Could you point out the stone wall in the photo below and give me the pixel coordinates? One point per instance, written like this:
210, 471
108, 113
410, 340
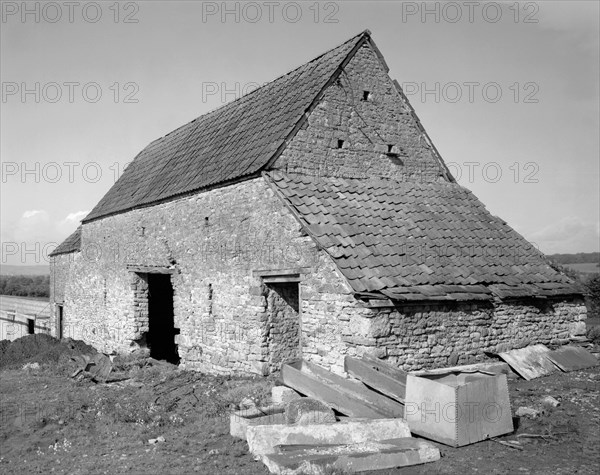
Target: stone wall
432, 336
365, 111
211, 242
60, 269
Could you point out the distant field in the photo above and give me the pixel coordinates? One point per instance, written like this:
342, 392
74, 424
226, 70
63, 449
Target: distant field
587, 267
6, 269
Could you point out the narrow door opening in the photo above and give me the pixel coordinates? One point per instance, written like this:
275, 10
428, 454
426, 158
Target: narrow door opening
283, 323
162, 331
59, 321
30, 326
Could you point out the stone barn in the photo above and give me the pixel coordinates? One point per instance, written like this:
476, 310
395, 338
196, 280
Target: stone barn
313, 218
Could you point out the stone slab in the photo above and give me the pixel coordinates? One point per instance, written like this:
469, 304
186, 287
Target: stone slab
351, 458
530, 362
263, 439
370, 375
240, 420
572, 358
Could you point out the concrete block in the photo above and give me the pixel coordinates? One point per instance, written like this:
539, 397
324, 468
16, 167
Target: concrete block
283, 395
262, 439
352, 458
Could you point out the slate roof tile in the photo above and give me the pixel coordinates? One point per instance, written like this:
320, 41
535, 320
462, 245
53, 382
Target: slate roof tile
236, 140
71, 244
418, 241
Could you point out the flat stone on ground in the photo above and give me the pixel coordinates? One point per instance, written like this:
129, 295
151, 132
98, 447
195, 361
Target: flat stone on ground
351, 458
263, 439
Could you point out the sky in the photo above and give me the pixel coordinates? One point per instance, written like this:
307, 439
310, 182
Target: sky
508, 93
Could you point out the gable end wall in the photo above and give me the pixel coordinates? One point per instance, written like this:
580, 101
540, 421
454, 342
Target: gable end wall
367, 127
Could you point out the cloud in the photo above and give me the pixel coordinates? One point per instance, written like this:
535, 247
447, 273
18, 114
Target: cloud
35, 234
569, 234
75, 217
67, 225
578, 21
32, 213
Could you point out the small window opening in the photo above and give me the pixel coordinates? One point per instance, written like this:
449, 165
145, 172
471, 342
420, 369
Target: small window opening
366, 95
206, 221
340, 143
390, 148
30, 326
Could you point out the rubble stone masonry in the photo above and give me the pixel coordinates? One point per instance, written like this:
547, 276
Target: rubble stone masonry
213, 242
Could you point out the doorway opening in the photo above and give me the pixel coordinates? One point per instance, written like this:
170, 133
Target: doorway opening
161, 324
59, 321
30, 326
283, 323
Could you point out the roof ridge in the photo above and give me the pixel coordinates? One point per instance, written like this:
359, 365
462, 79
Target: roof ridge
366, 33
301, 88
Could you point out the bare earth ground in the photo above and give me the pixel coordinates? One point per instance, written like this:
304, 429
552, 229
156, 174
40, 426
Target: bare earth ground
51, 423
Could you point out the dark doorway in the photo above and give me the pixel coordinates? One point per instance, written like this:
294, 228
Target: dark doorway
30, 326
162, 331
59, 321
283, 310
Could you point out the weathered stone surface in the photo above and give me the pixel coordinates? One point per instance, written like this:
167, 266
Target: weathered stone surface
307, 410
240, 420
283, 395
352, 458
264, 438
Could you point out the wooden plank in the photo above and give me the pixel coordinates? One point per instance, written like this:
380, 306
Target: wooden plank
530, 362
572, 358
335, 397
281, 272
383, 383
358, 390
386, 369
281, 279
458, 411
484, 410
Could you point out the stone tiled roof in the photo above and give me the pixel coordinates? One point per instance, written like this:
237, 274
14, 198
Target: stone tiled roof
234, 141
71, 244
412, 241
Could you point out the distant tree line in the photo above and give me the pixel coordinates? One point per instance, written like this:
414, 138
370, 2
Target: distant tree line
25, 285
579, 258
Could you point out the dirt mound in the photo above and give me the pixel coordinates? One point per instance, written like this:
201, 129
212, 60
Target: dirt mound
39, 348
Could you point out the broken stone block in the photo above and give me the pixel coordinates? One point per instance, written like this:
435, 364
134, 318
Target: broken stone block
550, 401
527, 412
307, 410
246, 403
262, 439
283, 395
351, 458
